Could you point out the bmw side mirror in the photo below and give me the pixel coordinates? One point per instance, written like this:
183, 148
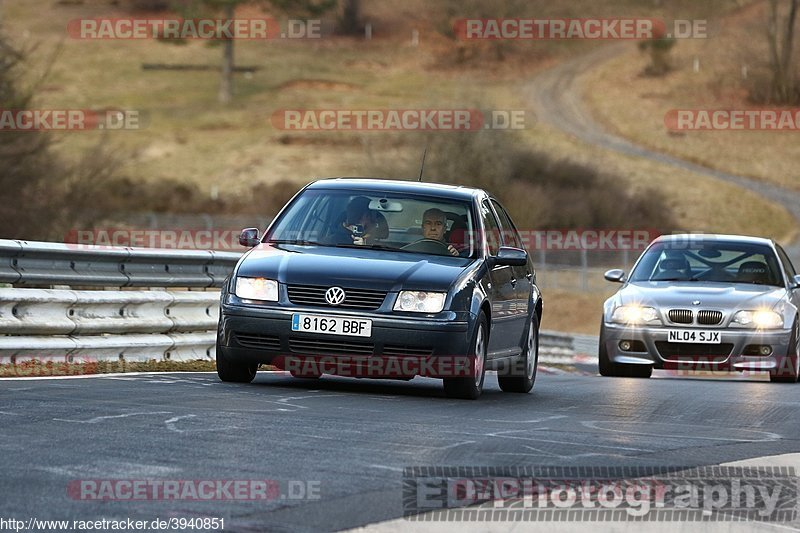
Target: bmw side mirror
508, 256
615, 275
249, 237
796, 280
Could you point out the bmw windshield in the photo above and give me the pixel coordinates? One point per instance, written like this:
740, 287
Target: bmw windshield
722, 262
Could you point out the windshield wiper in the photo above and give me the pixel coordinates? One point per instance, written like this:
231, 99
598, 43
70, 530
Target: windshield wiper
301, 242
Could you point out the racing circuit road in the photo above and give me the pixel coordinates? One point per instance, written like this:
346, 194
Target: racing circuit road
352, 438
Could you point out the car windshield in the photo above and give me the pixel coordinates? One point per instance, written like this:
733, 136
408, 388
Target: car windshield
377, 220
720, 262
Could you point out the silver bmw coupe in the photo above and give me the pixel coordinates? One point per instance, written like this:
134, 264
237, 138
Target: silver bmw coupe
704, 302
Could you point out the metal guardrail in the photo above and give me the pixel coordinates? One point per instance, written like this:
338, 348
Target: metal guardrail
37, 264
90, 325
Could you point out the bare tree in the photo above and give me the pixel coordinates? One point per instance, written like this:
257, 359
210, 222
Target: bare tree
227, 9
780, 34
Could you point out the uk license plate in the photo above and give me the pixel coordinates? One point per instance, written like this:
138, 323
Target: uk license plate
694, 336
332, 325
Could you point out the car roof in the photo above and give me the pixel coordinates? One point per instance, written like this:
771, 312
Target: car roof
398, 186
712, 237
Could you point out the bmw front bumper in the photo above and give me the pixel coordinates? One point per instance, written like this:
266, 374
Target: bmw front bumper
649, 346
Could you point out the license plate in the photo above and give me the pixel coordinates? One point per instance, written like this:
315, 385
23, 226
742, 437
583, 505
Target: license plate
694, 335
332, 325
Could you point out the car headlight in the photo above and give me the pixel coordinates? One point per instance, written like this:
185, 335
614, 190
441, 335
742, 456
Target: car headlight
257, 289
634, 314
420, 301
761, 319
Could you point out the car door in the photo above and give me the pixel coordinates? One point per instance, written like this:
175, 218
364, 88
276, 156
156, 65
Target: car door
788, 267
501, 291
521, 275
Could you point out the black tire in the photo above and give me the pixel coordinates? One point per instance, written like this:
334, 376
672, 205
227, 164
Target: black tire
470, 388
792, 373
608, 368
231, 372
522, 374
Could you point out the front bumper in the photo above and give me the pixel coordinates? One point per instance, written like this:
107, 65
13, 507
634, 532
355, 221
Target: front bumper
264, 335
729, 355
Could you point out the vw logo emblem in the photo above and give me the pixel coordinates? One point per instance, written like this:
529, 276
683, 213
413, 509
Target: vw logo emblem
696, 302
335, 295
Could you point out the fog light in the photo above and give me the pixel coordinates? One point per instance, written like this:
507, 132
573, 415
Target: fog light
625, 346
765, 350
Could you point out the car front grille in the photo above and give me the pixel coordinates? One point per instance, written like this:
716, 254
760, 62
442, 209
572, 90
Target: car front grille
400, 351
354, 298
690, 351
709, 318
681, 316
259, 342
326, 347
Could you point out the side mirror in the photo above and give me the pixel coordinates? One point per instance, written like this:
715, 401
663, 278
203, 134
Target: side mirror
796, 280
508, 256
616, 275
249, 237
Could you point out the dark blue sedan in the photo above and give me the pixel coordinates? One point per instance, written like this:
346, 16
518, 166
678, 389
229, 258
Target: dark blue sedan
385, 279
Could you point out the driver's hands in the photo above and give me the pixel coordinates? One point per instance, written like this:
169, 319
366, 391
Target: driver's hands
452, 249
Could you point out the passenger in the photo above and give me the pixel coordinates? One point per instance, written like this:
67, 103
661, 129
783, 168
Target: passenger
358, 216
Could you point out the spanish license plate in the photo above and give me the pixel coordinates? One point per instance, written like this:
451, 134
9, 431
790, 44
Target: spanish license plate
332, 325
694, 335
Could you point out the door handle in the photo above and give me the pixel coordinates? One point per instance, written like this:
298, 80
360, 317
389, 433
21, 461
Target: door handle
513, 282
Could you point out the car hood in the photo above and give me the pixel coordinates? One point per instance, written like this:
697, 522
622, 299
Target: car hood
351, 267
710, 295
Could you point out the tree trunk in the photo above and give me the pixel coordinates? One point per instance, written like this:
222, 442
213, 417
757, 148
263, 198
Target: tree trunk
351, 17
781, 44
226, 84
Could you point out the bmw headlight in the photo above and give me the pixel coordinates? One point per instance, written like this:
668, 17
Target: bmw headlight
634, 314
420, 301
761, 319
257, 289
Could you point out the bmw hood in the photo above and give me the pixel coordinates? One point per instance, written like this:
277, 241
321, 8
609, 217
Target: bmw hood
699, 295
352, 267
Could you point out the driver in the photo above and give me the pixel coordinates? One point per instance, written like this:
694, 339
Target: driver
434, 224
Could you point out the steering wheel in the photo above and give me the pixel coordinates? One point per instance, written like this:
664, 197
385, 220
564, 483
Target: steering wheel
428, 246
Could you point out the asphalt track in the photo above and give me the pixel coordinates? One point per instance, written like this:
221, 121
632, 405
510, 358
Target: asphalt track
350, 439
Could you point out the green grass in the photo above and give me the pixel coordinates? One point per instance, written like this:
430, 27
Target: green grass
190, 137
